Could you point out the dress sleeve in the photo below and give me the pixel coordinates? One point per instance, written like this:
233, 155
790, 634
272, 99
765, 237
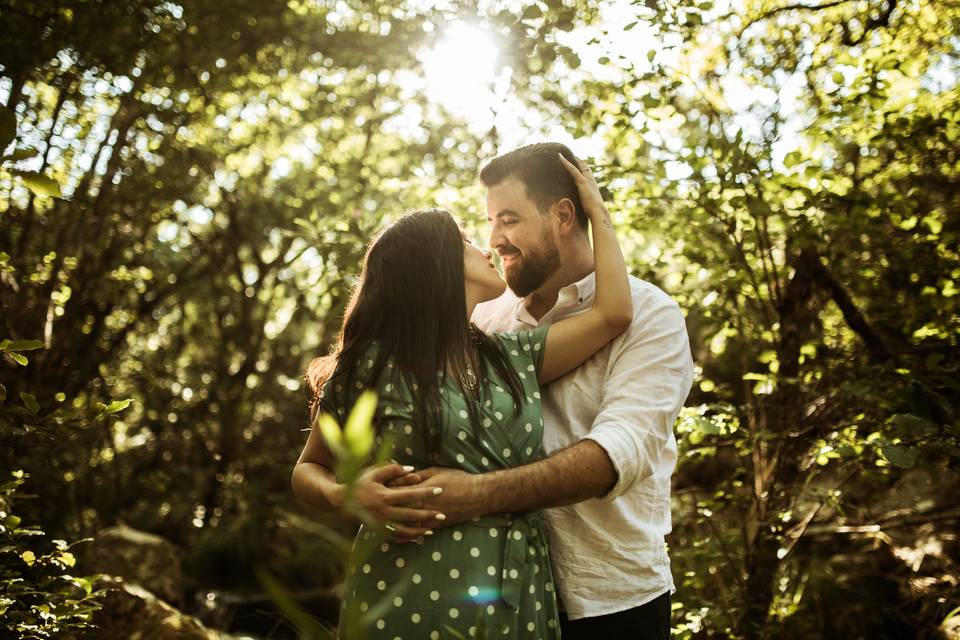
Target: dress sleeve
331, 400
525, 348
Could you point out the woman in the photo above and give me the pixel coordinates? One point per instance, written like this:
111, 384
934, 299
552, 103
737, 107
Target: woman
450, 396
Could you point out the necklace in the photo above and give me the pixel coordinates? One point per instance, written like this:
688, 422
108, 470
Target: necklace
468, 379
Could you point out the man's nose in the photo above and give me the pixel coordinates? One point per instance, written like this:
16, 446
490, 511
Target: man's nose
495, 241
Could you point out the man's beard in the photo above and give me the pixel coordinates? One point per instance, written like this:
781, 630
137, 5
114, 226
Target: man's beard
533, 269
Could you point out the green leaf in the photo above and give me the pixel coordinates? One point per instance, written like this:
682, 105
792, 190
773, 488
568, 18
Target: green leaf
531, 12
23, 345
331, 433
21, 360
24, 153
307, 626
30, 401
899, 455
358, 432
8, 127
305, 225
117, 405
934, 224
39, 184
630, 26
85, 583
759, 207
912, 66
911, 426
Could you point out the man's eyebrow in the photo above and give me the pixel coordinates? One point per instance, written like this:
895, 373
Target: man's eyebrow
504, 213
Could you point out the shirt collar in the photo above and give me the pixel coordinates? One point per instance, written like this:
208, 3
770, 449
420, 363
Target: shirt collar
580, 291
570, 296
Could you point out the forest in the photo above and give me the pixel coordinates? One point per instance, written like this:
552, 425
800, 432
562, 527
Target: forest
186, 194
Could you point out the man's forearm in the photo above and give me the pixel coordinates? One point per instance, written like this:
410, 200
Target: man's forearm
579, 472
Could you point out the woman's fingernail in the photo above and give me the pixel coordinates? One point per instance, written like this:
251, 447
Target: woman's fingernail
408, 468
437, 491
441, 516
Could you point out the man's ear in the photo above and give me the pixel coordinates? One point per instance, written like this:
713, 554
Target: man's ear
566, 216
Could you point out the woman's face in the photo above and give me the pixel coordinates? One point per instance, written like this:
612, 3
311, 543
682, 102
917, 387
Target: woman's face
481, 278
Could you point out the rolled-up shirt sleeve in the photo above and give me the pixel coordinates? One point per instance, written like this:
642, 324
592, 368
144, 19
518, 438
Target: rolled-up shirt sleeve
649, 376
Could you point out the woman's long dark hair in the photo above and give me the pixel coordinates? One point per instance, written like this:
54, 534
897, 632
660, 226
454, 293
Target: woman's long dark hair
409, 309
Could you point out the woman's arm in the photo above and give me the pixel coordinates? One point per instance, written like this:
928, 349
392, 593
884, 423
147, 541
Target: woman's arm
572, 340
314, 483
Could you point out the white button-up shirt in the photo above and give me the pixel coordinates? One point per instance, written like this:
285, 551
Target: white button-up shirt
609, 554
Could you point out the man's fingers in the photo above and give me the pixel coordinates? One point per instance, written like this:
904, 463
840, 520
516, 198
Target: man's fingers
406, 480
414, 494
429, 472
404, 514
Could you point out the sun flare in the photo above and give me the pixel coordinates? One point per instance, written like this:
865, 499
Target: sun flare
461, 72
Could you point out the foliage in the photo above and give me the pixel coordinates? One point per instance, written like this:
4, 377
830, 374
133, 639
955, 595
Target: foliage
787, 171
356, 446
807, 232
38, 183
39, 598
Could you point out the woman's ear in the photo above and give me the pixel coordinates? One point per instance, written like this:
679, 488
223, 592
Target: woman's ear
566, 216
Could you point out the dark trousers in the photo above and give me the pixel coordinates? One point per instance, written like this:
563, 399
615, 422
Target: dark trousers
649, 621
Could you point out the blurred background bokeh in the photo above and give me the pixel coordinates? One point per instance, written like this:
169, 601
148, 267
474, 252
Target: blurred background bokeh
186, 190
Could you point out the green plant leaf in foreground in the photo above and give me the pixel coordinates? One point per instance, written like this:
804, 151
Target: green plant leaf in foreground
358, 433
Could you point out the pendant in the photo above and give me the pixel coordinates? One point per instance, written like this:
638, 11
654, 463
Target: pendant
468, 379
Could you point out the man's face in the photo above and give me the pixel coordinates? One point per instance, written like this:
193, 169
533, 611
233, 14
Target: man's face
522, 236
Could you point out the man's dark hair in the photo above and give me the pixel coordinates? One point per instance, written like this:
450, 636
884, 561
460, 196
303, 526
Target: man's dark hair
540, 170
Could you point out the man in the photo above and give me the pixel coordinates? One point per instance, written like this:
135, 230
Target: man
608, 426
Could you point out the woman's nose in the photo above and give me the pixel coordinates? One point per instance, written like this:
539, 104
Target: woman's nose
487, 253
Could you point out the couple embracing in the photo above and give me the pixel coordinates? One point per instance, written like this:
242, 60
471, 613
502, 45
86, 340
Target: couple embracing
533, 427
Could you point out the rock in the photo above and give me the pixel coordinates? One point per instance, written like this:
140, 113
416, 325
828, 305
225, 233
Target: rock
130, 612
140, 558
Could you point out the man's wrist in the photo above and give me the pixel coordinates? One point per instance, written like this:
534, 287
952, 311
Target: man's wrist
490, 493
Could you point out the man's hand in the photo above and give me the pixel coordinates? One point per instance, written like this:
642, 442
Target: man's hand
463, 495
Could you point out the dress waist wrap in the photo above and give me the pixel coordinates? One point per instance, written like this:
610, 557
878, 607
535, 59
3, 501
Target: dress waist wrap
520, 531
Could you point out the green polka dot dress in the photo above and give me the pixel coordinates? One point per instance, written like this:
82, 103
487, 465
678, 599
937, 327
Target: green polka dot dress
488, 576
